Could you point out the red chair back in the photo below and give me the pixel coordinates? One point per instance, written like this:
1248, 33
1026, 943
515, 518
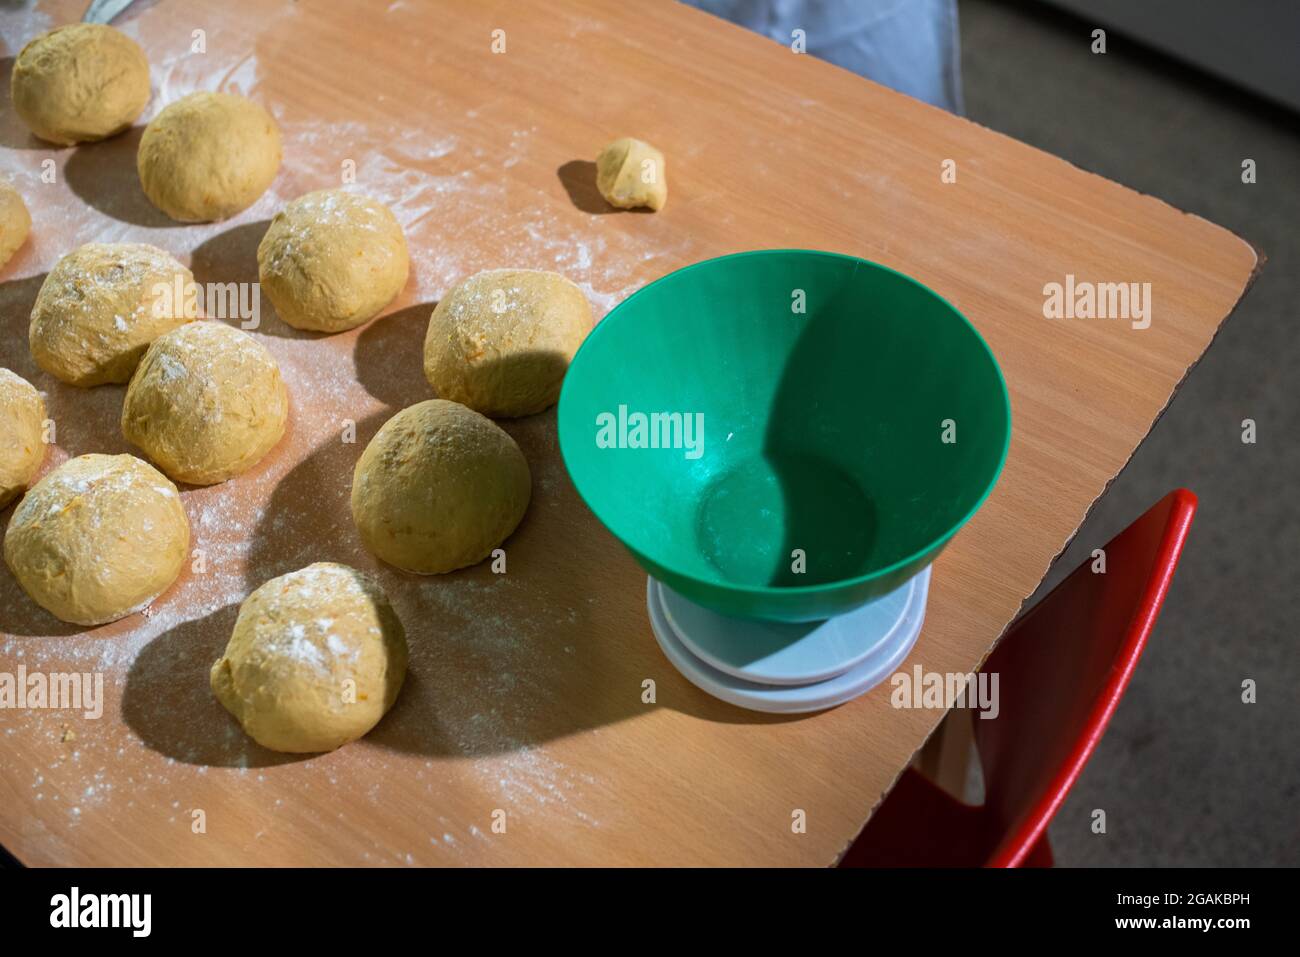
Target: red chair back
1063, 667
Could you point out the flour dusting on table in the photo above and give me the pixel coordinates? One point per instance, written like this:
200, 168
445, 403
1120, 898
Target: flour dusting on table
489, 654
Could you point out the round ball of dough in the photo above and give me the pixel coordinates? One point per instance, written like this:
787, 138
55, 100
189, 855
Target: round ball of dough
438, 488
98, 538
501, 341
22, 438
208, 156
80, 83
101, 306
331, 260
206, 403
630, 173
15, 222
316, 659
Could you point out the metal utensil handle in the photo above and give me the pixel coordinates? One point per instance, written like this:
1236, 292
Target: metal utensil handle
103, 11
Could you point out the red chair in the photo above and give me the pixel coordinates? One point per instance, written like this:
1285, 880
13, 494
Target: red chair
1063, 666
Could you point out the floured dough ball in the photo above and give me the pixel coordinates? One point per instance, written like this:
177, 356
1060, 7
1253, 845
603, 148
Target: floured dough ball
98, 538
15, 222
332, 260
438, 488
22, 434
208, 156
206, 403
101, 306
501, 341
630, 173
80, 83
317, 657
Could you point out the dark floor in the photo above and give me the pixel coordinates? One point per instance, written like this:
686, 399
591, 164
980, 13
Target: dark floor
1187, 774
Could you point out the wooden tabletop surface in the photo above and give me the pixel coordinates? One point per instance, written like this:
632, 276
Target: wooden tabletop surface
525, 696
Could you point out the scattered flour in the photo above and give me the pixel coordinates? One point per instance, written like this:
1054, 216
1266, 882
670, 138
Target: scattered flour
486, 674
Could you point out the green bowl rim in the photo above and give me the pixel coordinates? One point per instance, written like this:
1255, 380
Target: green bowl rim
767, 591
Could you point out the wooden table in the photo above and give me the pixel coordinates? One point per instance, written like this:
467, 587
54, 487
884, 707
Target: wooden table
526, 690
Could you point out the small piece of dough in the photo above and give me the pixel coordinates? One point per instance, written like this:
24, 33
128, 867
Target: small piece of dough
630, 173
501, 341
98, 538
22, 434
208, 156
332, 260
80, 83
206, 404
15, 222
101, 306
438, 488
316, 658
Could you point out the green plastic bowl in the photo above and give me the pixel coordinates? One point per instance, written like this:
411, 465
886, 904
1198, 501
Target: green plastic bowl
853, 421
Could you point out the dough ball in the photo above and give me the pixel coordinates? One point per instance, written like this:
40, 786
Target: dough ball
15, 222
438, 487
98, 538
101, 306
316, 659
630, 173
206, 403
22, 438
332, 260
80, 83
208, 156
501, 341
